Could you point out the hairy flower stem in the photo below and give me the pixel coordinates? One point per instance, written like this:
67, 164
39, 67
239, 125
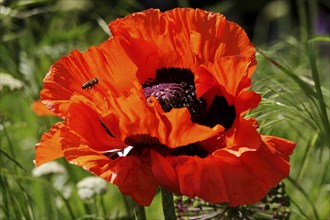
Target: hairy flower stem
168, 205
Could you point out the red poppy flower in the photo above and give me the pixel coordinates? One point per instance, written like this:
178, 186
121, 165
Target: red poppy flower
160, 103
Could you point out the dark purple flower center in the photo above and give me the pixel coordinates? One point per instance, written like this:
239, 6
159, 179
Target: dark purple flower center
175, 88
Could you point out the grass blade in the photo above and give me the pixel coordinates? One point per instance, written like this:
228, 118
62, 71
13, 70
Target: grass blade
317, 83
306, 88
316, 215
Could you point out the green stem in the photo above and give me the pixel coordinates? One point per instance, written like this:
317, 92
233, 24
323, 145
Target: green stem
140, 213
302, 16
168, 205
104, 210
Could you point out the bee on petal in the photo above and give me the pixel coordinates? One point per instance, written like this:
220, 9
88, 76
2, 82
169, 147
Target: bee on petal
90, 84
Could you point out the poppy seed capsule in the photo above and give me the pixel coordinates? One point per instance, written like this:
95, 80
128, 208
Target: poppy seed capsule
89, 85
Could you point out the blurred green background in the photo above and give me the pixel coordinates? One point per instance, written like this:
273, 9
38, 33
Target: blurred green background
293, 76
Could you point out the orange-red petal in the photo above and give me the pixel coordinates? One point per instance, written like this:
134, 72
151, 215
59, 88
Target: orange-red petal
243, 133
173, 129
134, 177
246, 101
109, 63
238, 178
246, 135
164, 173
131, 174
84, 121
240, 173
40, 109
49, 147
231, 74
281, 146
188, 38
268, 166
185, 35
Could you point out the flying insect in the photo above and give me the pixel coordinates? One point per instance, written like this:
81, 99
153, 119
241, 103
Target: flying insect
90, 84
